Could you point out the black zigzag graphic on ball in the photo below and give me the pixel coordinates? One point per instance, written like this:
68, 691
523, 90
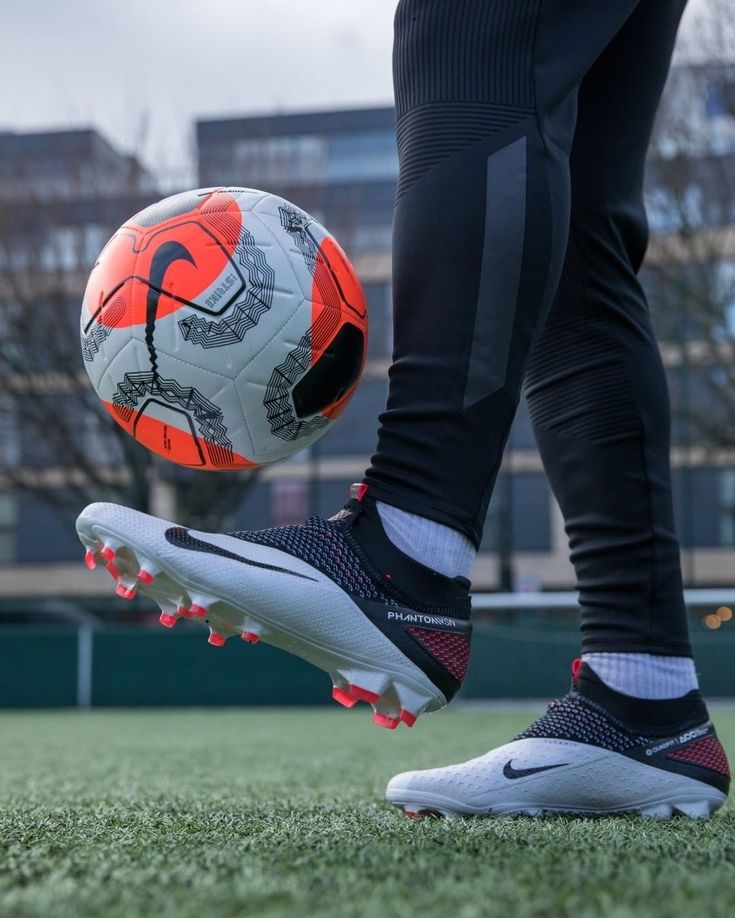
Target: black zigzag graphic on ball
278, 400
92, 342
278, 404
243, 315
209, 419
296, 223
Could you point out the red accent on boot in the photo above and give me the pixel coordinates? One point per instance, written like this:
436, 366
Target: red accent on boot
358, 490
361, 694
342, 697
125, 592
707, 753
451, 650
382, 720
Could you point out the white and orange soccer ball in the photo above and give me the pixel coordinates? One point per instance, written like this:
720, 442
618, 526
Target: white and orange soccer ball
224, 328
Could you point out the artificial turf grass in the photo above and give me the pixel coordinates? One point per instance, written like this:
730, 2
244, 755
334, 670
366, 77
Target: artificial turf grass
279, 812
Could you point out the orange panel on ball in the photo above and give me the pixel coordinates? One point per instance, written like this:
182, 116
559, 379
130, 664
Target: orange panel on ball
181, 259
337, 298
176, 445
349, 285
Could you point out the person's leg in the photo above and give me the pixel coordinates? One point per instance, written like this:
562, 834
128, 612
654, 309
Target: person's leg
486, 98
486, 108
596, 387
633, 732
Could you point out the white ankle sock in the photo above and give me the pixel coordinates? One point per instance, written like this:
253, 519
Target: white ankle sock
644, 675
434, 545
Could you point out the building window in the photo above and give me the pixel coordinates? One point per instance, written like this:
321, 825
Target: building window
519, 515
9, 436
289, 502
720, 99
727, 507
363, 156
368, 238
101, 447
7, 528
380, 319
355, 433
289, 160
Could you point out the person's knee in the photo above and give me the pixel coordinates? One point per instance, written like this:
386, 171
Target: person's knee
608, 217
578, 383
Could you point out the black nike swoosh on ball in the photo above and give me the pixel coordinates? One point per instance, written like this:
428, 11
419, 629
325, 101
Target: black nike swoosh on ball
512, 773
182, 538
164, 256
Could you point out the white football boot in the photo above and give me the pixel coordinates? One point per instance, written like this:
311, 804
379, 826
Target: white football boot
335, 592
594, 752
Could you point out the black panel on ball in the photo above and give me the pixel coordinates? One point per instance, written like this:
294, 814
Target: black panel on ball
334, 373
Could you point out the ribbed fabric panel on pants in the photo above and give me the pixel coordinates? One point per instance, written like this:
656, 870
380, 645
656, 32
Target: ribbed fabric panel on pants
429, 134
464, 50
462, 71
522, 124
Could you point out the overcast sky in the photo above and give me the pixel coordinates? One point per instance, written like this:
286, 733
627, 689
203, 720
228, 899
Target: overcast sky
147, 68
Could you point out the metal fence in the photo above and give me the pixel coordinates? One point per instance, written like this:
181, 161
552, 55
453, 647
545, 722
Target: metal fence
522, 648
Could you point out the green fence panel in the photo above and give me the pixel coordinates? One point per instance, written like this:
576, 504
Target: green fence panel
534, 662
141, 667
510, 662
714, 656
135, 666
38, 667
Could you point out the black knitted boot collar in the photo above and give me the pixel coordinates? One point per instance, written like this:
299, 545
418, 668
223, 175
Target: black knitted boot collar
361, 523
641, 715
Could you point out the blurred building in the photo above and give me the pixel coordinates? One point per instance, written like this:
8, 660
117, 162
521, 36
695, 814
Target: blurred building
67, 165
62, 194
341, 166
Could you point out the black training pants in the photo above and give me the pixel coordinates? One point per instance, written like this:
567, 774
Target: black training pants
522, 129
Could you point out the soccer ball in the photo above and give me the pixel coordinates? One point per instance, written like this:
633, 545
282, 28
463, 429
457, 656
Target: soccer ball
224, 328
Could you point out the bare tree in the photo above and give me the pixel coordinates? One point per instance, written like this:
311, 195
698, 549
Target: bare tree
56, 441
691, 196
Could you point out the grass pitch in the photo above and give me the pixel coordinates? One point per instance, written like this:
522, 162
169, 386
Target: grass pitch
280, 813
